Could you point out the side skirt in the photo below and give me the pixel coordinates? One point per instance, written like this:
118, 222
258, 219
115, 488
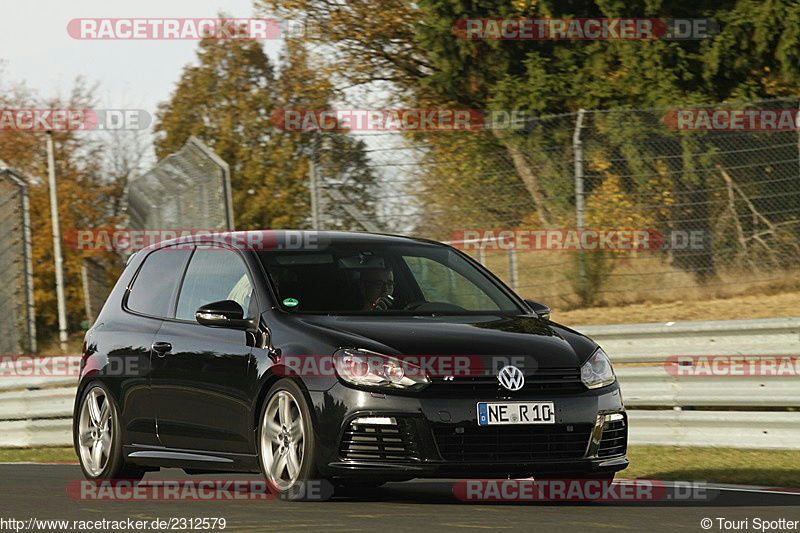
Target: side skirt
192, 461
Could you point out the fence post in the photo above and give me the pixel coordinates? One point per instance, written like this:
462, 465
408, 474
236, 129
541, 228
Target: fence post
577, 150
512, 269
87, 299
312, 184
59, 260
28, 252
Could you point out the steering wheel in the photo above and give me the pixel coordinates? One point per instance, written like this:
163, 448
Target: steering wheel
411, 306
432, 307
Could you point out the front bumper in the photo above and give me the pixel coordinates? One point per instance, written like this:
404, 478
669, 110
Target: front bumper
440, 437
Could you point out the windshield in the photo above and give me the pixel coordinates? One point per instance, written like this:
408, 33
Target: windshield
390, 279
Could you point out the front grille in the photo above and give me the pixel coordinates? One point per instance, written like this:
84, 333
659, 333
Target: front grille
379, 442
614, 440
475, 444
551, 380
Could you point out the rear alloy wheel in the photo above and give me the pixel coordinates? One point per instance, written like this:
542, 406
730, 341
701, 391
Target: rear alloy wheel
97, 437
286, 440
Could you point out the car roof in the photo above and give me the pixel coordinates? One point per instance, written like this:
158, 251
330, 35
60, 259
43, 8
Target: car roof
329, 237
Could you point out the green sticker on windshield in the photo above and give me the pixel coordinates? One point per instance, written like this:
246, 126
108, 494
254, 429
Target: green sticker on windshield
290, 302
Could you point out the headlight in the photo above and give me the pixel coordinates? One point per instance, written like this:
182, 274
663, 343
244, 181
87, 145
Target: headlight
364, 368
597, 371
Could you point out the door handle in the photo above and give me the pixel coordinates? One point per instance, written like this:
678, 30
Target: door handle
161, 348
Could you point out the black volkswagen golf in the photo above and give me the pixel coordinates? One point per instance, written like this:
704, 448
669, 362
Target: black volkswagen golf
353, 357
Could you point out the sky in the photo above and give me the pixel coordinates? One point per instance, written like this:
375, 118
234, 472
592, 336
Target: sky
35, 48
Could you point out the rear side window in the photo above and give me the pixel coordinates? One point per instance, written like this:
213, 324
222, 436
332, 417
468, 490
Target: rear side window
215, 275
156, 282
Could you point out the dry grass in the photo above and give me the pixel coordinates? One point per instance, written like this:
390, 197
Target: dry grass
733, 308
644, 288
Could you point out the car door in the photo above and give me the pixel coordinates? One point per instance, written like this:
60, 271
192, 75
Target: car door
200, 375
128, 339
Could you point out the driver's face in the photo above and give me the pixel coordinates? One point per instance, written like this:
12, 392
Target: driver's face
376, 284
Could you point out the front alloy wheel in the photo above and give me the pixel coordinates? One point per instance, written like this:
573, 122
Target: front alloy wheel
287, 445
283, 439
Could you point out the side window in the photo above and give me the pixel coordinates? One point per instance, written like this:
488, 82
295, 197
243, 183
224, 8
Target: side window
215, 275
156, 282
442, 284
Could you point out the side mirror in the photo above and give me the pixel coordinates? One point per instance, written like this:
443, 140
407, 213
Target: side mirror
541, 310
224, 314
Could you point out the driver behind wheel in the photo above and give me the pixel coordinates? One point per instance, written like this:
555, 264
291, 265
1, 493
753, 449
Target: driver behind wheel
377, 286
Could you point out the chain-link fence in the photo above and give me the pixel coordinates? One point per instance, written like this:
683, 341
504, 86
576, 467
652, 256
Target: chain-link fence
726, 204
189, 189
18, 327
96, 286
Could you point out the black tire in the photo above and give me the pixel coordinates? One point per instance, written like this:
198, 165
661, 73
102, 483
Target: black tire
115, 466
299, 489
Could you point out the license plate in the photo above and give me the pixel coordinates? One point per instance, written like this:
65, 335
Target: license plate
493, 413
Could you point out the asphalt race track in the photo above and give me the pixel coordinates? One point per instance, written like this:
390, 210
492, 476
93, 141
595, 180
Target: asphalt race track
39, 491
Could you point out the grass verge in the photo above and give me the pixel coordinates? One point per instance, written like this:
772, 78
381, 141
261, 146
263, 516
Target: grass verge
43, 455
773, 468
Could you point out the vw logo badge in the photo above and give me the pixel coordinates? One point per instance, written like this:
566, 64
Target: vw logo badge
511, 378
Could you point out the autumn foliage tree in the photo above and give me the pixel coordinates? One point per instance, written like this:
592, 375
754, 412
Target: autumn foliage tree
88, 197
227, 100
411, 47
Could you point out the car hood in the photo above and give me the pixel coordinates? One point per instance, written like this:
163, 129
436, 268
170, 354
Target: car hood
548, 344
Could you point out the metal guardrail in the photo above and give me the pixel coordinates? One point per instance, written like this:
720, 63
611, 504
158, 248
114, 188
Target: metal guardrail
663, 409
36, 416
644, 387
725, 429
37, 404
36, 382
652, 343
723, 411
